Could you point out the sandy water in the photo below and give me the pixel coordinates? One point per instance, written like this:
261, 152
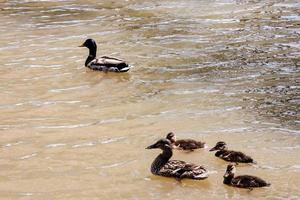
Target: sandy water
209, 70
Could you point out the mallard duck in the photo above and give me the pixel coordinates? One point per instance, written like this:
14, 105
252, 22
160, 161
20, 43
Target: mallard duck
244, 181
104, 63
163, 166
185, 144
230, 156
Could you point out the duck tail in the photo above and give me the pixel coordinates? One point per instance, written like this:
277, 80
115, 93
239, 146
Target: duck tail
254, 162
126, 68
201, 176
200, 144
268, 184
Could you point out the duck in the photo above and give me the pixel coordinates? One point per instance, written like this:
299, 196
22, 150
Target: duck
229, 155
104, 63
163, 166
243, 181
184, 144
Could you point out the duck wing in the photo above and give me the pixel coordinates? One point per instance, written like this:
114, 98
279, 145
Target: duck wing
246, 181
180, 169
189, 144
106, 64
236, 156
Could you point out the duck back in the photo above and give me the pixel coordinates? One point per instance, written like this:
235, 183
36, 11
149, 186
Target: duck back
247, 181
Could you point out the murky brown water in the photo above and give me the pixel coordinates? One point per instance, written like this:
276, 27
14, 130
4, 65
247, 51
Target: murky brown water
209, 70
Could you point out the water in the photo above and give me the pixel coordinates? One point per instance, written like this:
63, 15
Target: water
208, 70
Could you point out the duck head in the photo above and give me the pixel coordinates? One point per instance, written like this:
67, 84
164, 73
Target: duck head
171, 136
219, 146
230, 171
161, 144
91, 45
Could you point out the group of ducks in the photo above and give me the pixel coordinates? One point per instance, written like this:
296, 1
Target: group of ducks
162, 165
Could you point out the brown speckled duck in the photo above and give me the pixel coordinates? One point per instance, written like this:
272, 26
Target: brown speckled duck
184, 144
104, 63
243, 181
163, 166
230, 156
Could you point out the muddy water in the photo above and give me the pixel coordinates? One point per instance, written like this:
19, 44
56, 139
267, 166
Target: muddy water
208, 70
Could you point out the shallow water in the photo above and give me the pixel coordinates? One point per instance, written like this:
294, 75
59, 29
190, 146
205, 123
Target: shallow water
209, 70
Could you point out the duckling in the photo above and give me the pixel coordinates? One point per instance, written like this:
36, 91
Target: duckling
185, 144
163, 166
244, 181
231, 156
104, 63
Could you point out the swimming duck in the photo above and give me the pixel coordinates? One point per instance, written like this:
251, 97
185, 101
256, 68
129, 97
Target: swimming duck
163, 166
104, 63
185, 144
244, 181
231, 156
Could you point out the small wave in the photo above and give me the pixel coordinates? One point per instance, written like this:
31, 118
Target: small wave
232, 130
267, 167
55, 145
286, 130
25, 194
112, 140
46, 77
9, 126
45, 103
86, 144
117, 164
107, 121
288, 148
13, 144
68, 89
295, 167
28, 156
64, 126
183, 92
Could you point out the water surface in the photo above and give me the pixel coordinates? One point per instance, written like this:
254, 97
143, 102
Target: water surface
209, 70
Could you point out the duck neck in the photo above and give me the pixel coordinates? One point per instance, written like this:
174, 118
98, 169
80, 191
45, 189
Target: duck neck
173, 141
161, 160
92, 55
227, 180
219, 152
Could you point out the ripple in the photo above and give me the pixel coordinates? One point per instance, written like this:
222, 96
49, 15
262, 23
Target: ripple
39, 103
111, 140
118, 164
26, 194
288, 148
287, 130
9, 126
295, 167
69, 126
86, 144
46, 76
13, 144
70, 88
28, 156
185, 92
55, 145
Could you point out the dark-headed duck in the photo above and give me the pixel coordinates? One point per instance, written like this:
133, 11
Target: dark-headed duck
104, 63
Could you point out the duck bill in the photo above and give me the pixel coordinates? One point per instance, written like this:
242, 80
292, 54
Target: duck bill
153, 146
81, 45
213, 149
226, 174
